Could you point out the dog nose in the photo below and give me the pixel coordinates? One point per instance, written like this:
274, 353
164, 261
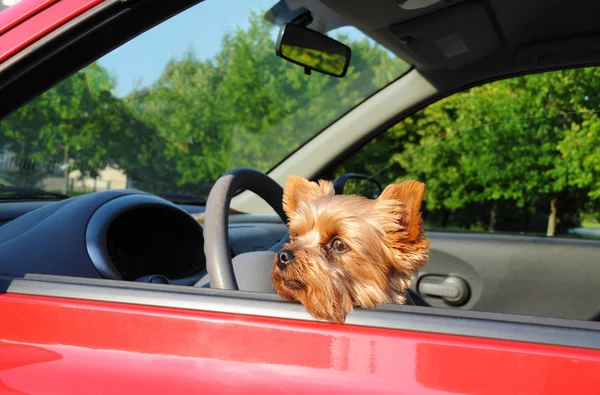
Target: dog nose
284, 258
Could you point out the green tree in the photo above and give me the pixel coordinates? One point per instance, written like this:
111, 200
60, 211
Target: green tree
248, 107
78, 124
581, 151
517, 141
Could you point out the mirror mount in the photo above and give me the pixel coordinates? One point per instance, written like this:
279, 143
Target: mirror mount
304, 19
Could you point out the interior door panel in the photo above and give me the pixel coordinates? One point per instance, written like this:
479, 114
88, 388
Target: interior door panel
553, 277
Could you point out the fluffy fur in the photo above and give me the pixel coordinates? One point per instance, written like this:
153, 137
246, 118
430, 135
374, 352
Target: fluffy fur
348, 251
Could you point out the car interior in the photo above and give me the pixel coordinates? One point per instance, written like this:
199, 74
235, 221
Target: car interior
229, 243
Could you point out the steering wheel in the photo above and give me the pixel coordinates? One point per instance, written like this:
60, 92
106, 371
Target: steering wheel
255, 265
252, 268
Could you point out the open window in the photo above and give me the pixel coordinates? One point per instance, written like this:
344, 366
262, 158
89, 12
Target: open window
512, 204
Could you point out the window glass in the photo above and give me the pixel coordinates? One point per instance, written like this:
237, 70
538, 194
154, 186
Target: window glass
178, 106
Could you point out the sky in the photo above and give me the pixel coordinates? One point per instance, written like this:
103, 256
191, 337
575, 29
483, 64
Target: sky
200, 28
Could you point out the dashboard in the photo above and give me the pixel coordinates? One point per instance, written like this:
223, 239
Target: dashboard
119, 235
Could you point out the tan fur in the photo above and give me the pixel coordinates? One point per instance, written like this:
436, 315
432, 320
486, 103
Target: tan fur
386, 241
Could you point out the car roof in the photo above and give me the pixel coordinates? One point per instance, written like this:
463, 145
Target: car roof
454, 43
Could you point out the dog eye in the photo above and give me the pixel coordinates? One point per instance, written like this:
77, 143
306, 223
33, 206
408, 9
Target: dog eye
339, 246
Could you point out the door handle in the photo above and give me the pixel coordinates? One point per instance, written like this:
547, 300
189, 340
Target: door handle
451, 289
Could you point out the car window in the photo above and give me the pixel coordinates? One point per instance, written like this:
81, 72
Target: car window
172, 110
517, 156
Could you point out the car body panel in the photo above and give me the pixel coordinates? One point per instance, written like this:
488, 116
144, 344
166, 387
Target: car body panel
72, 346
21, 11
33, 19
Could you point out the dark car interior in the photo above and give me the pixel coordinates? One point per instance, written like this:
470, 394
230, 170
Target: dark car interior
135, 236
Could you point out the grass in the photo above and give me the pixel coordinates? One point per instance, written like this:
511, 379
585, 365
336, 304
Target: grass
590, 224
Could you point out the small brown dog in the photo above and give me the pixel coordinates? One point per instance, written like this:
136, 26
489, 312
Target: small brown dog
348, 251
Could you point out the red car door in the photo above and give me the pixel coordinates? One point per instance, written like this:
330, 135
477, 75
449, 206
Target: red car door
86, 339
29, 20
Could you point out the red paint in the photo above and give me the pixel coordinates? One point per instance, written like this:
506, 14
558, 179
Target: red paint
21, 11
50, 345
32, 28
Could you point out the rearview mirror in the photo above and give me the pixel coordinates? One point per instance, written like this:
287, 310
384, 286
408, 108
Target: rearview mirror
313, 50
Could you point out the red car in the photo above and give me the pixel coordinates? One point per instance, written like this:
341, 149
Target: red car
144, 145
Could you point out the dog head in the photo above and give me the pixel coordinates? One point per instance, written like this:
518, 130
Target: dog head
346, 250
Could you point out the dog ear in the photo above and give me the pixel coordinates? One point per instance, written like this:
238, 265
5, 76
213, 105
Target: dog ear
410, 194
299, 189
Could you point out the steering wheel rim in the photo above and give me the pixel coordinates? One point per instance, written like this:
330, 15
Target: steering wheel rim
216, 220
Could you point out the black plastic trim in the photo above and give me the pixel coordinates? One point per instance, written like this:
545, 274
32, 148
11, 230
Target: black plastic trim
541, 330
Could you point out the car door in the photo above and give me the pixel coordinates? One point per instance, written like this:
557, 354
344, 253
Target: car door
73, 336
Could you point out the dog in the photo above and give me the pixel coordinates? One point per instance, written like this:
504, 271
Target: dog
348, 251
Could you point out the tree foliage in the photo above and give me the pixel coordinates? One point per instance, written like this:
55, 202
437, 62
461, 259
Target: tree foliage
525, 145
247, 107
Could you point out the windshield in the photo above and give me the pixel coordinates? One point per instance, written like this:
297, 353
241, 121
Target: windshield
175, 108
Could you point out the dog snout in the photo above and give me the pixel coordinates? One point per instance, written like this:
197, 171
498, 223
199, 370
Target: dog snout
284, 258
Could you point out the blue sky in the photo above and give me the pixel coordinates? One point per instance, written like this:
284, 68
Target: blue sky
201, 28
